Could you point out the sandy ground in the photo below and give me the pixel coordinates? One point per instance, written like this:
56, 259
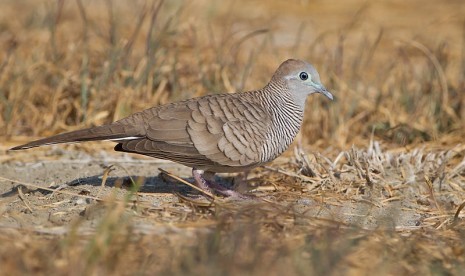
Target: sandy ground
370, 202
79, 177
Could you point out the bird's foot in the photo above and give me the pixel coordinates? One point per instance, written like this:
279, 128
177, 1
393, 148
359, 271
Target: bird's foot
205, 181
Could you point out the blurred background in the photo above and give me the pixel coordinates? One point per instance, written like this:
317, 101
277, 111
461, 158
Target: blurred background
342, 204
395, 67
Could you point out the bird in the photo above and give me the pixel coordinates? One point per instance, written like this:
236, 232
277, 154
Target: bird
216, 133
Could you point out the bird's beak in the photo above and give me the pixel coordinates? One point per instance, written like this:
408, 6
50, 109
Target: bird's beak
321, 89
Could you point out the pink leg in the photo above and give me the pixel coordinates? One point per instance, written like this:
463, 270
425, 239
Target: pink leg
205, 181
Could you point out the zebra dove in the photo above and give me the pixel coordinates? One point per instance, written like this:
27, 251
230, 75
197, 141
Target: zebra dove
214, 133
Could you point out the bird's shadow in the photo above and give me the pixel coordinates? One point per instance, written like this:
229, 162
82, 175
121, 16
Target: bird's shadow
146, 184
159, 184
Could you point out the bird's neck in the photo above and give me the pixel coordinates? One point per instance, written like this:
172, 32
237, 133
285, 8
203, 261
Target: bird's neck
286, 119
287, 114
282, 100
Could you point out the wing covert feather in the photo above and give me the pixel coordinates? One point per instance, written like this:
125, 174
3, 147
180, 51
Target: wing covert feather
215, 131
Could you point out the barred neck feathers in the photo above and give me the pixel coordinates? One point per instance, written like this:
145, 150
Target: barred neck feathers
286, 116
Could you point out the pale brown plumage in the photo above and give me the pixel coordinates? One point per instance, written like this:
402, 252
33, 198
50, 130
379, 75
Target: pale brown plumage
214, 133
208, 133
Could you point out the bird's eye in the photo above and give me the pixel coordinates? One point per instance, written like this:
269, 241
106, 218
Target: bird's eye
303, 76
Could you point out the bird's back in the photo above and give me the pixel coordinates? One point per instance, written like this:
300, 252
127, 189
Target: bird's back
224, 132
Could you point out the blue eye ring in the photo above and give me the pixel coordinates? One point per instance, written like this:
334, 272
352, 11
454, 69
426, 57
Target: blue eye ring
303, 76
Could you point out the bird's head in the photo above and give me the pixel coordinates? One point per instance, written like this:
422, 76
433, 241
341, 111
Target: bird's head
301, 78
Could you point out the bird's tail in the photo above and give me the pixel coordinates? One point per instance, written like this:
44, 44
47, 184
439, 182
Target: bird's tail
113, 131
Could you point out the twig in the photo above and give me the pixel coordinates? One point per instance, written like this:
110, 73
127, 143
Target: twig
187, 183
104, 179
431, 192
23, 198
456, 216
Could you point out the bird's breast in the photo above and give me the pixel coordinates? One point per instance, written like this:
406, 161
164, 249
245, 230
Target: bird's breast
283, 130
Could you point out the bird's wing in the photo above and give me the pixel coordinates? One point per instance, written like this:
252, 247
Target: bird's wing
210, 131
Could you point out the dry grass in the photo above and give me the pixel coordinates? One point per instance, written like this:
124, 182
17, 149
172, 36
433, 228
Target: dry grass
396, 69
348, 218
